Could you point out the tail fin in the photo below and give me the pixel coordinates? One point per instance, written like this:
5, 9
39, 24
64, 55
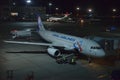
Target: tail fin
65, 16
40, 24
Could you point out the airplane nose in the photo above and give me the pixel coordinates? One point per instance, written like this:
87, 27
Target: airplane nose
101, 53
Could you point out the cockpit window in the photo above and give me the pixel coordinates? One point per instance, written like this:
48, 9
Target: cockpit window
95, 47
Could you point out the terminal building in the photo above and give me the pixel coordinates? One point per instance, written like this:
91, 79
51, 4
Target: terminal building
14, 13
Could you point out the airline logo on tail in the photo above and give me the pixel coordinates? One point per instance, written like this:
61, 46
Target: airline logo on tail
40, 25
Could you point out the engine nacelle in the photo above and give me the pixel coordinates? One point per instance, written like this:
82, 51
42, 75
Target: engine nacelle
54, 52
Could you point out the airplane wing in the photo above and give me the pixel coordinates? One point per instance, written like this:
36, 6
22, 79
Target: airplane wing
35, 43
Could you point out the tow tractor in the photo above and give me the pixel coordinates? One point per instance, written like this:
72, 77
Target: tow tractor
71, 59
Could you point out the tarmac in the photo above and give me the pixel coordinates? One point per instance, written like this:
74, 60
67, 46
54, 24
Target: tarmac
40, 66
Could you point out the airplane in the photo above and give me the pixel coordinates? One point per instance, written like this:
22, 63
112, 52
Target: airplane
66, 42
55, 19
21, 33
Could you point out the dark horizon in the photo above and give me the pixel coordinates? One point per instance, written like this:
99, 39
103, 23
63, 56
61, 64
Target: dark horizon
98, 6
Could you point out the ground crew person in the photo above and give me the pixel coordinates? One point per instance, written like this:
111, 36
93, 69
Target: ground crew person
73, 60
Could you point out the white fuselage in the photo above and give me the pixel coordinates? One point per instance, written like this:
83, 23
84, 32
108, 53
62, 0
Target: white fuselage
53, 19
56, 18
89, 47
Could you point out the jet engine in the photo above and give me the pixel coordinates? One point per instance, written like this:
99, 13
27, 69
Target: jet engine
53, 52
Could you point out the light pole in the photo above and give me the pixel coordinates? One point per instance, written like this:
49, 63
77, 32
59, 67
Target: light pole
28, 10
114, 11
56, 9
90, 12
113, 16
78, 9
28, 1
50, 4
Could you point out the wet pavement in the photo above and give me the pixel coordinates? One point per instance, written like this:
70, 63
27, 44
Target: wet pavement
20, 66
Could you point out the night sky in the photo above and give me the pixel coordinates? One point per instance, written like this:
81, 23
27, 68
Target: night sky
100, 6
